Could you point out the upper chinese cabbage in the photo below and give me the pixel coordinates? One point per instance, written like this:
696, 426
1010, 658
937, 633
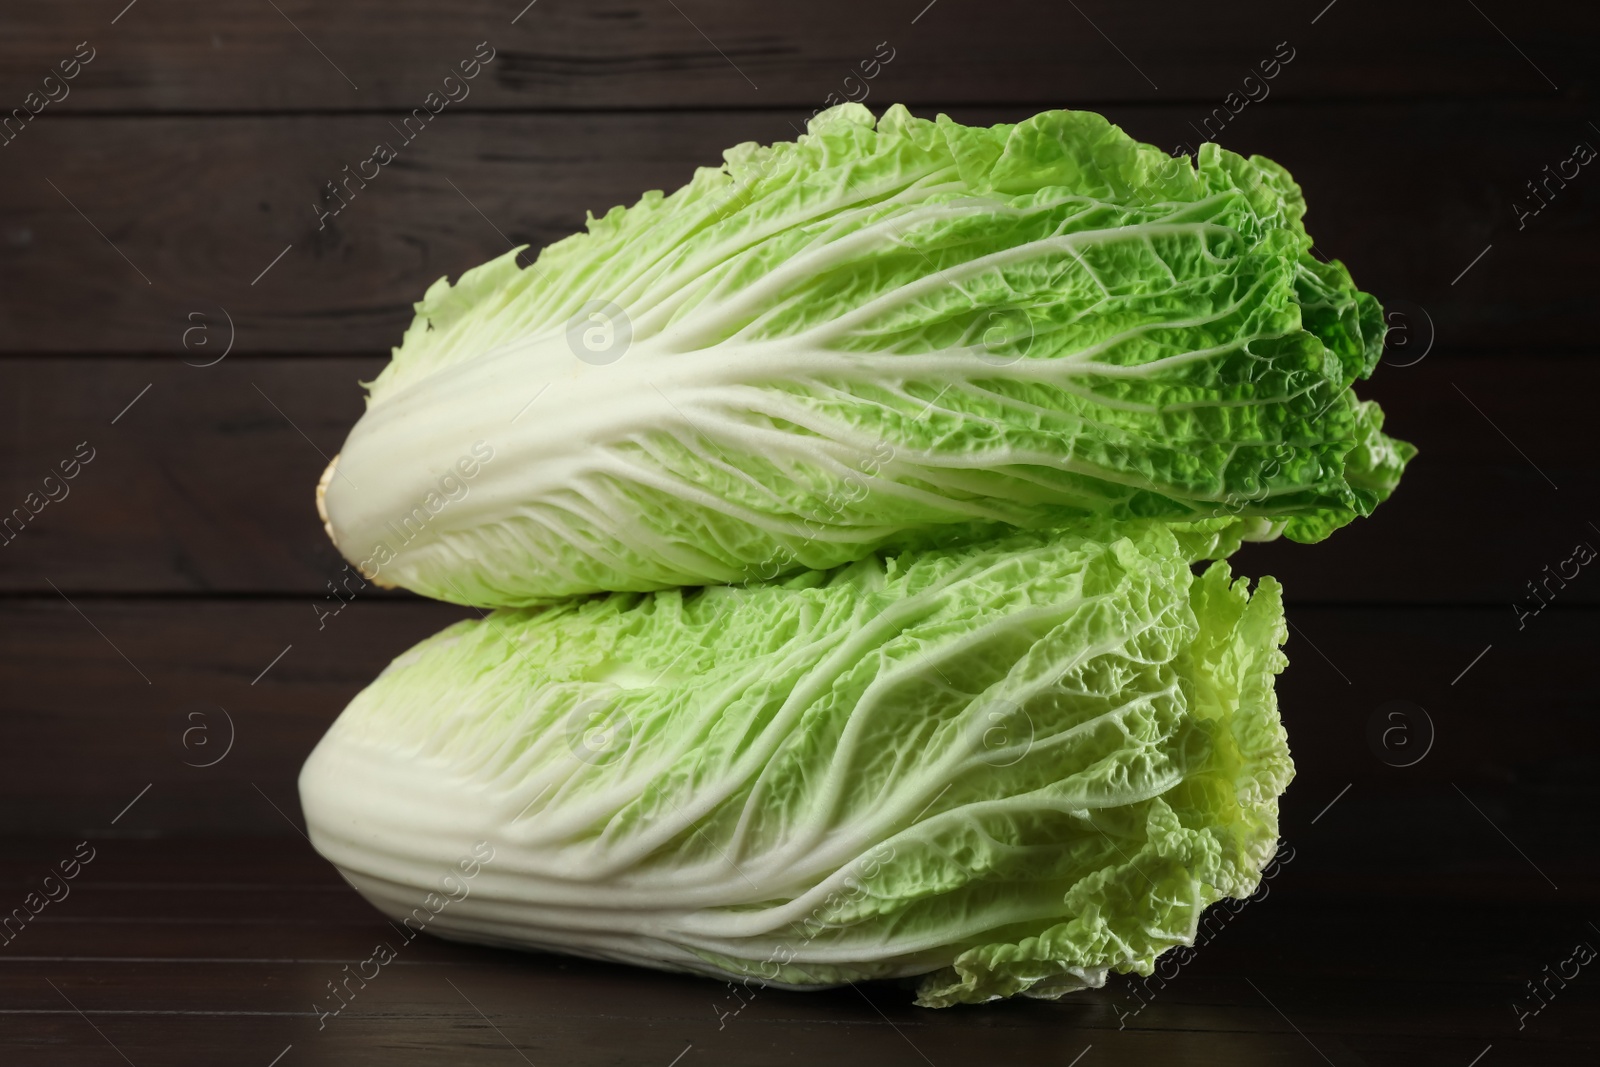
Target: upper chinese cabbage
892, 333
1010, 768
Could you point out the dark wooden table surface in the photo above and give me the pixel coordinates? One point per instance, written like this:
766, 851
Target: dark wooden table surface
221, 951
172, 308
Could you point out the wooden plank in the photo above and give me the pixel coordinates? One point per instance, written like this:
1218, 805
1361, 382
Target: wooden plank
98, 904
227, 944
270, 864
189, 55
461, 1036
205, 484
75, 684
575, 997
114, 690
236, 983
215, 216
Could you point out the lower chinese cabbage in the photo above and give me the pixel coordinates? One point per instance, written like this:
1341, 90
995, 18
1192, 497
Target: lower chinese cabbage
1008, 768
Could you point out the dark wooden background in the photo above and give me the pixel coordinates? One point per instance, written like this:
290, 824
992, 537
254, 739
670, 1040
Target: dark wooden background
170, 603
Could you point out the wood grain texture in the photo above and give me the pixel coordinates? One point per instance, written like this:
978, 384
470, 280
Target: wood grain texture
194, 55
107, 692
205, 485
164, 970
203, 208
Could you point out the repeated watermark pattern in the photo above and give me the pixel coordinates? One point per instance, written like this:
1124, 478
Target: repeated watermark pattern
1552, 979
598, 732
455, 885
453, 90
1001, 736
1408, 333
197, 336
806, 930
197, 740
55, 88
598, 333
53, 889
1253, 89
53, 489
1400, 733
856, 87
1551, 183
452, 487
821, 516
737, 197
1212, 923
341, 594
1541, 595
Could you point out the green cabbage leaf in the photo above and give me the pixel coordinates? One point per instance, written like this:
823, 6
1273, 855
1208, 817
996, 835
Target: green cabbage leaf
1008, 768
891, 333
